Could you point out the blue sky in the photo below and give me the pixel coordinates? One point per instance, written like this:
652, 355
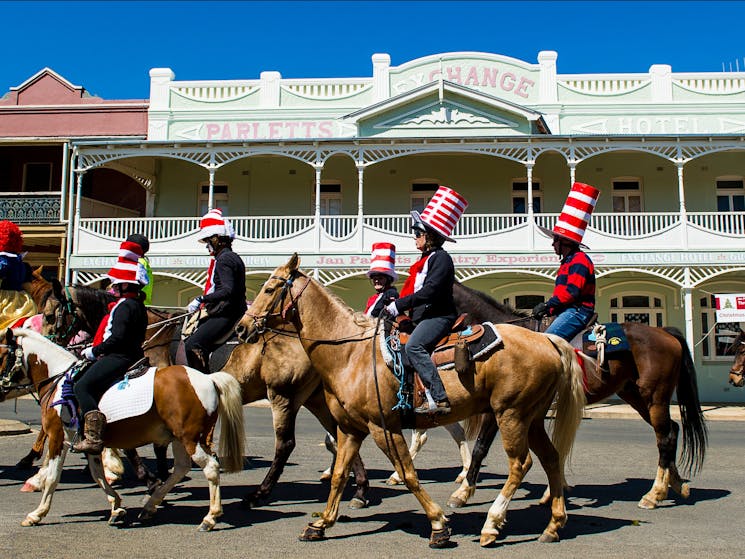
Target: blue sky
109, 47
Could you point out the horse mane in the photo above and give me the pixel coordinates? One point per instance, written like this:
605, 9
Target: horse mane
93, 302
57, 358
359, 318
492, 302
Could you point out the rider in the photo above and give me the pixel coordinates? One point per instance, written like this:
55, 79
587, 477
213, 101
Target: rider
224, 297
573, 299
428, 291
117, 344
382, 274
144, 261
15, 303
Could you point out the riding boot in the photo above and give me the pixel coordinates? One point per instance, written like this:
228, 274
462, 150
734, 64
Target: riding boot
197, 359
95, 423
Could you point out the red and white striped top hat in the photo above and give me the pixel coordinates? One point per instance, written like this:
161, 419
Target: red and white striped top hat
575, 217
127, 268
383, 260
213, 223
442, 212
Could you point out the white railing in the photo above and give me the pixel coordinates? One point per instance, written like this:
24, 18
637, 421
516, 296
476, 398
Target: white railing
473, 225
271, 228
723, 223
622, 225
339, 226
607, 85
399, 224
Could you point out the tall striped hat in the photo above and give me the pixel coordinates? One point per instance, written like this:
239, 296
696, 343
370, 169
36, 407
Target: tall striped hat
127, 268
442, 212
575, 217
213, 223
383, 260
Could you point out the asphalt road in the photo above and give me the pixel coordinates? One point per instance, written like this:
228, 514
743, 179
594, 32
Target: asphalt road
613, 465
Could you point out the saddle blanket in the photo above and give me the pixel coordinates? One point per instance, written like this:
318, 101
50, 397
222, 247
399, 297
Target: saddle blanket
129, 397
616, 341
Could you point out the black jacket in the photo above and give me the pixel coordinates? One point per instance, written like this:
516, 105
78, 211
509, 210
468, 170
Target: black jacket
229, 297
389, 295
435, 297
127, 324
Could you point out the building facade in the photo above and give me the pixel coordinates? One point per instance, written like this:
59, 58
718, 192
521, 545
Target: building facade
326, 167
38, 121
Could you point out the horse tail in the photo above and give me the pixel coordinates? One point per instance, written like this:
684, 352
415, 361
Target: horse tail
695, 434
472, 425
230, 410
570, 399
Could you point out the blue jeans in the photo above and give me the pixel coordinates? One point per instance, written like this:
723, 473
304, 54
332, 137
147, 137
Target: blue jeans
418, 349
570, 322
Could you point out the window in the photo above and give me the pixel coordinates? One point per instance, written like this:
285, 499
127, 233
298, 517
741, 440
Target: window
520, 197
722, 334
331, 199
524, 302
644, 309
421, 193
627, 195
219, 200
37, 177
730, 194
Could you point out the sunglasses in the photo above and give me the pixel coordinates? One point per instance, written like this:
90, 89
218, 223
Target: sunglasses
418, 233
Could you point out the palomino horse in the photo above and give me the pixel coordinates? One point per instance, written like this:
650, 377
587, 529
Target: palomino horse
186, 406
737, 372
658, 365
516, 382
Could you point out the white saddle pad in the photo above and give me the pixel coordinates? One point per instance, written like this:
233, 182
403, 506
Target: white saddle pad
128, 398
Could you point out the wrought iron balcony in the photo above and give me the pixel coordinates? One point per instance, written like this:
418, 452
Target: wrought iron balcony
30, 208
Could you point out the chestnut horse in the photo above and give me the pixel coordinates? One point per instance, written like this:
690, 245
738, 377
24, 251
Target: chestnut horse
517, 382
658, 365
737, 372
186, 406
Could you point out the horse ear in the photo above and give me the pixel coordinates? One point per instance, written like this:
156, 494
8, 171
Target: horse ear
293, 262
39, 270
57, 288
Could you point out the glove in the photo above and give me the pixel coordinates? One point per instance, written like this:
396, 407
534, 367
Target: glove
540, 310
392, 309
194, 305
88, 354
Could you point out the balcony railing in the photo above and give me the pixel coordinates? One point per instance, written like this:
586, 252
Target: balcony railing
475, 232
30, 208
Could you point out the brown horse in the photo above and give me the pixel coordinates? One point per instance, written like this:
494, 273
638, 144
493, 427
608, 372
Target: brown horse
658, 365
737, 372
516, 382
186, 406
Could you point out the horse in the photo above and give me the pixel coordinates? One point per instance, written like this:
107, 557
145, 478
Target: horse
279, 370
737, 372
186, 405
658, 365
517, 382
68, 310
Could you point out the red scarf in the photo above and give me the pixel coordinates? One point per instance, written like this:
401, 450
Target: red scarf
414, 270
209, 285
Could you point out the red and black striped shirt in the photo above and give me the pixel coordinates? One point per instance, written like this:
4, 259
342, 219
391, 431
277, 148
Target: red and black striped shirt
575, 284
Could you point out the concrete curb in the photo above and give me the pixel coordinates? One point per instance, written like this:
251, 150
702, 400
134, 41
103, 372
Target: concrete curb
13, 427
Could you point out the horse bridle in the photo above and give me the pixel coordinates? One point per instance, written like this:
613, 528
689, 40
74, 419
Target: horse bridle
741, 372
259, 321
67, 307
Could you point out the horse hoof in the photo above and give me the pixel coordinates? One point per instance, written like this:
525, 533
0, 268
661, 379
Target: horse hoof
456, 502
117, 517
30, 521
393, 481
487, 539
648, 504
357, 503
312, 534
205, 526
28, 488
548, 538
685, 490
439, 538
